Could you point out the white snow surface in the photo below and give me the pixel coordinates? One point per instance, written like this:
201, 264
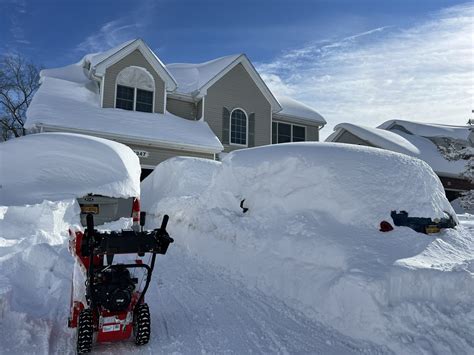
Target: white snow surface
195, 308
192, 77
67, 99
58, 166
430, 129
401, 142
294, 108
310, 239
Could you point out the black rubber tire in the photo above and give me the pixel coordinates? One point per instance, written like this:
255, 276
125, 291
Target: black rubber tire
141, 324
85, 330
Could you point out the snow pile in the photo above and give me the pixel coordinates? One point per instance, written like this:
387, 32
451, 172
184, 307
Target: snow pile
35, 276
57, 166
311, 239
168, 181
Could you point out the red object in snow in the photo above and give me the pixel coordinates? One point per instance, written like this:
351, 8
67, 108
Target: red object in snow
385, 227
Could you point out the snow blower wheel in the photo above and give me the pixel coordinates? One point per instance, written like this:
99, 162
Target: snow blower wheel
141, 326
84, 332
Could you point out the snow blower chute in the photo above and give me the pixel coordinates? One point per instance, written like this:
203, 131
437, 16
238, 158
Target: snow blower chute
107, 301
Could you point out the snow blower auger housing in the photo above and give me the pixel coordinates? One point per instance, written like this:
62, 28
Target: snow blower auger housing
110, 305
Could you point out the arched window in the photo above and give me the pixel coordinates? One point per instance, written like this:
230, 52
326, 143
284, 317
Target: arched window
238, 127
135, 89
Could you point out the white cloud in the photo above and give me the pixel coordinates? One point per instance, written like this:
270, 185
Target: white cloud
109, 35
423, 73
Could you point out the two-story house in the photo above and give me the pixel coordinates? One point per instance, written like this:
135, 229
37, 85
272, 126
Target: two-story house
127, 94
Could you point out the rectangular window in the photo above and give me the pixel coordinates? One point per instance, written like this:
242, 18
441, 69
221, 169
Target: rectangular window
285, 132
144, 101
124, 97
299, 133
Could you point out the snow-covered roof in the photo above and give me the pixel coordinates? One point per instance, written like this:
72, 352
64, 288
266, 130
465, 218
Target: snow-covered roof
402, 142
297, 109
192, 77
67, 99
429, 129
96, 58
100, 61
195, 79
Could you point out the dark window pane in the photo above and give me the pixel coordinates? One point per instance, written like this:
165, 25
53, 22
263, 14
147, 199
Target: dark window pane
144, 107
144, 96
124, 97
238, 127
124, 104
284, 133
274, 132
144, 101
299, 134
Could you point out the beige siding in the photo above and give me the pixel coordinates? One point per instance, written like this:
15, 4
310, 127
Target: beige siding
181, 108
135, 58
312, 133
237, 89
157, 155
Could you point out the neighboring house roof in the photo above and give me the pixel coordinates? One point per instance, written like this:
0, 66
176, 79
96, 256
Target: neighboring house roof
101, 61
429, 129
68, 100
195, 79
402, 142
296, 109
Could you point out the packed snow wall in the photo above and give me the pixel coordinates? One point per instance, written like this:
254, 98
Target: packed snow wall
310, 238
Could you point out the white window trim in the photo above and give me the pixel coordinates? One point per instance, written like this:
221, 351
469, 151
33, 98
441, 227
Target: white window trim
291, 130
246, 128
135, 93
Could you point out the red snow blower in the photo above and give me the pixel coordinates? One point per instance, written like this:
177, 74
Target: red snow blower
107, 301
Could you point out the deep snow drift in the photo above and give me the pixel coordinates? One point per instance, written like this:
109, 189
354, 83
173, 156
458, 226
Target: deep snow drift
58, 166
311, 239
194, 307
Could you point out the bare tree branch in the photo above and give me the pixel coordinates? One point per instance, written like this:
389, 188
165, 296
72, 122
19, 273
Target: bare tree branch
19, 80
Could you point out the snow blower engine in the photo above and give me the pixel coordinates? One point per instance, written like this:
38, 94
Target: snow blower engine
107, 301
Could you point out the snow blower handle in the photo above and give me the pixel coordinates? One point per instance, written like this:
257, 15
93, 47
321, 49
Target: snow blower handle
164, 223
90, 224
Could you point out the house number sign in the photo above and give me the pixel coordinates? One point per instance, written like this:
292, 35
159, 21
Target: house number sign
142, 153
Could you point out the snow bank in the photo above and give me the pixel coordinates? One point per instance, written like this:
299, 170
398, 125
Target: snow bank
35, 276
311, 239
168, 180
57, 166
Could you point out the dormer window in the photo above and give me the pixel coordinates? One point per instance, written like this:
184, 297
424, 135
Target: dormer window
135, 90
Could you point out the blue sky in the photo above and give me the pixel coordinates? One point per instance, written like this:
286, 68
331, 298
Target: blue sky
325, 53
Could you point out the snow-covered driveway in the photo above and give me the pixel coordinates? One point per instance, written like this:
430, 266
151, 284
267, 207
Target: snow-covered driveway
197, 310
